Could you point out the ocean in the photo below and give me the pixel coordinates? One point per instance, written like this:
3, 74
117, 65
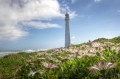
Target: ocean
3, 53
6, 53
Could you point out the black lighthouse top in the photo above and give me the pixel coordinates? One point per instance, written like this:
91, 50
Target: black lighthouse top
66, 16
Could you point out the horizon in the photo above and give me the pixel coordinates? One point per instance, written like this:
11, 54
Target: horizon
33, 50
40, 24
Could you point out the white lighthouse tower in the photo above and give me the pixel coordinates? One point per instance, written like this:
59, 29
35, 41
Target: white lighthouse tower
67, 30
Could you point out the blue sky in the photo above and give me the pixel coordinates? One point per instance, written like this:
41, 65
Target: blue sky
39, 24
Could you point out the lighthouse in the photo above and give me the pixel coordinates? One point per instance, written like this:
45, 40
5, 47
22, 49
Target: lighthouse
67, 30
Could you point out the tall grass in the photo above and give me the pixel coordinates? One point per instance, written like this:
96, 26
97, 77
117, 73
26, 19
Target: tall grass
11, 63
74, 69
30, 66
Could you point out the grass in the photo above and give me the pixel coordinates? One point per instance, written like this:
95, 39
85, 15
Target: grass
62, 65
73, 69
11, 63
17, 66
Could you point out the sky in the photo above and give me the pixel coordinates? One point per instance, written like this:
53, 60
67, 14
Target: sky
40, 24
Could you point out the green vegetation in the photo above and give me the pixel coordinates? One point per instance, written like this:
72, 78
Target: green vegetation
64, 64
17, 67
115, 40
11, 63
74, 69
101, 40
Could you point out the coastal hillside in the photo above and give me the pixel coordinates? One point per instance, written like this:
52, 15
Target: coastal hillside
113, 40
98, 59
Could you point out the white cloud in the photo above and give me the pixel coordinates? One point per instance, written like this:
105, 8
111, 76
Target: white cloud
14, 11
30, 9
97, 0
65, 8
11, 33
40, 25
73, 14
73, 37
